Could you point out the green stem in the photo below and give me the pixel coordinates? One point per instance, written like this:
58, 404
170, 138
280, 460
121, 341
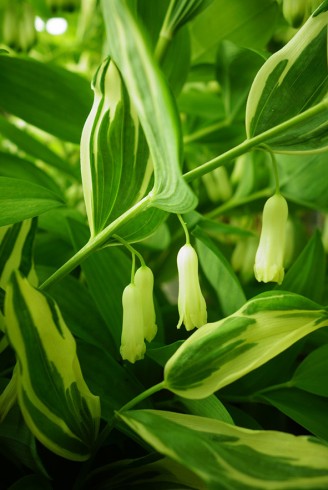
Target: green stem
185, 229
250, 143
96, 242
165, 35
132, 249
142, 396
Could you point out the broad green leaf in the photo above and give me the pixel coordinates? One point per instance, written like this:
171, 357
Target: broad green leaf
222, 352
44, 95
55, 401
249, 24
16, 251
19, 168
304, 179
209, 407
30, 145
235, 70
305, 408
219, 273
180, 12
154, 105
290, 81
20, 199
17, 443
307, 274
225, 456
106, 376
311, 375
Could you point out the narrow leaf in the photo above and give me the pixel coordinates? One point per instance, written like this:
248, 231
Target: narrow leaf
154, 105
312, 374
219, 353
225, 456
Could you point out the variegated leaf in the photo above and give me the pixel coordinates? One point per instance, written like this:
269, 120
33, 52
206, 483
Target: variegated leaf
219, 353
115, 163
291, 81
225, 456
154, 106
54, 399
16, 247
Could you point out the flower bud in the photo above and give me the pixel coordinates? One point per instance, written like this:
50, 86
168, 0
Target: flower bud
295, 11
191, 303
144, 281
133, 346
270, 253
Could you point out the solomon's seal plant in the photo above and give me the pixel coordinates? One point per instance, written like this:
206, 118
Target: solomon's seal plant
106, 142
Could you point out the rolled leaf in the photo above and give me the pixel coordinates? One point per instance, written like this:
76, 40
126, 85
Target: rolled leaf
154, 105
222, 352
225, 456
291, 81
54, 399
113, 146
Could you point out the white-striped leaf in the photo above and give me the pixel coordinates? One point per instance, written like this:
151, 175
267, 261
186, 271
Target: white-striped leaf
291, 81
154, 105
16, 251
115, 163
219, 353
54, 399
225, 456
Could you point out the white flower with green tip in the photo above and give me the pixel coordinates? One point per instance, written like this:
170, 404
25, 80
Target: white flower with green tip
133, 346
191, 303
270, 253
144, 281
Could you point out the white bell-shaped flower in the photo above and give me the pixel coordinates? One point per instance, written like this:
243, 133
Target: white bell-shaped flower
191, 303
144, 281
270, 253
132, 341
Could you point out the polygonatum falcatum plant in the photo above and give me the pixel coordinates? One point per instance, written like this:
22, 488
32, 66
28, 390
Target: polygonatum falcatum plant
163, 241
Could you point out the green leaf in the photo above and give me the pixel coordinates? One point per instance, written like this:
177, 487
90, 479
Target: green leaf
249, 24
209, 407
225, 456
219, 273
107, 272
307, 274
49, 97
180, 12
55, 401
20, 199
305, 408
154, 105
312, 374
219, 353
19, 168
235, 70
30, 145
31, 482
304, 179
292, 80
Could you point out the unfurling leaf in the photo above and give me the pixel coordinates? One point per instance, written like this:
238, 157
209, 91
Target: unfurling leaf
54, 399
222, 352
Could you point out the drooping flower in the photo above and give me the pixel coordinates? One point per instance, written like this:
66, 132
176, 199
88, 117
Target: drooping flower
191, 303
270, 253
144, 281
133, 346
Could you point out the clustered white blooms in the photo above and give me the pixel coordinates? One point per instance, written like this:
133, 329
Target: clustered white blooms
139, 318
270, 253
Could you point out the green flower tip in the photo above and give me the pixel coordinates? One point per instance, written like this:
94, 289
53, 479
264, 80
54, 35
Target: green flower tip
270, 253
191, 303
